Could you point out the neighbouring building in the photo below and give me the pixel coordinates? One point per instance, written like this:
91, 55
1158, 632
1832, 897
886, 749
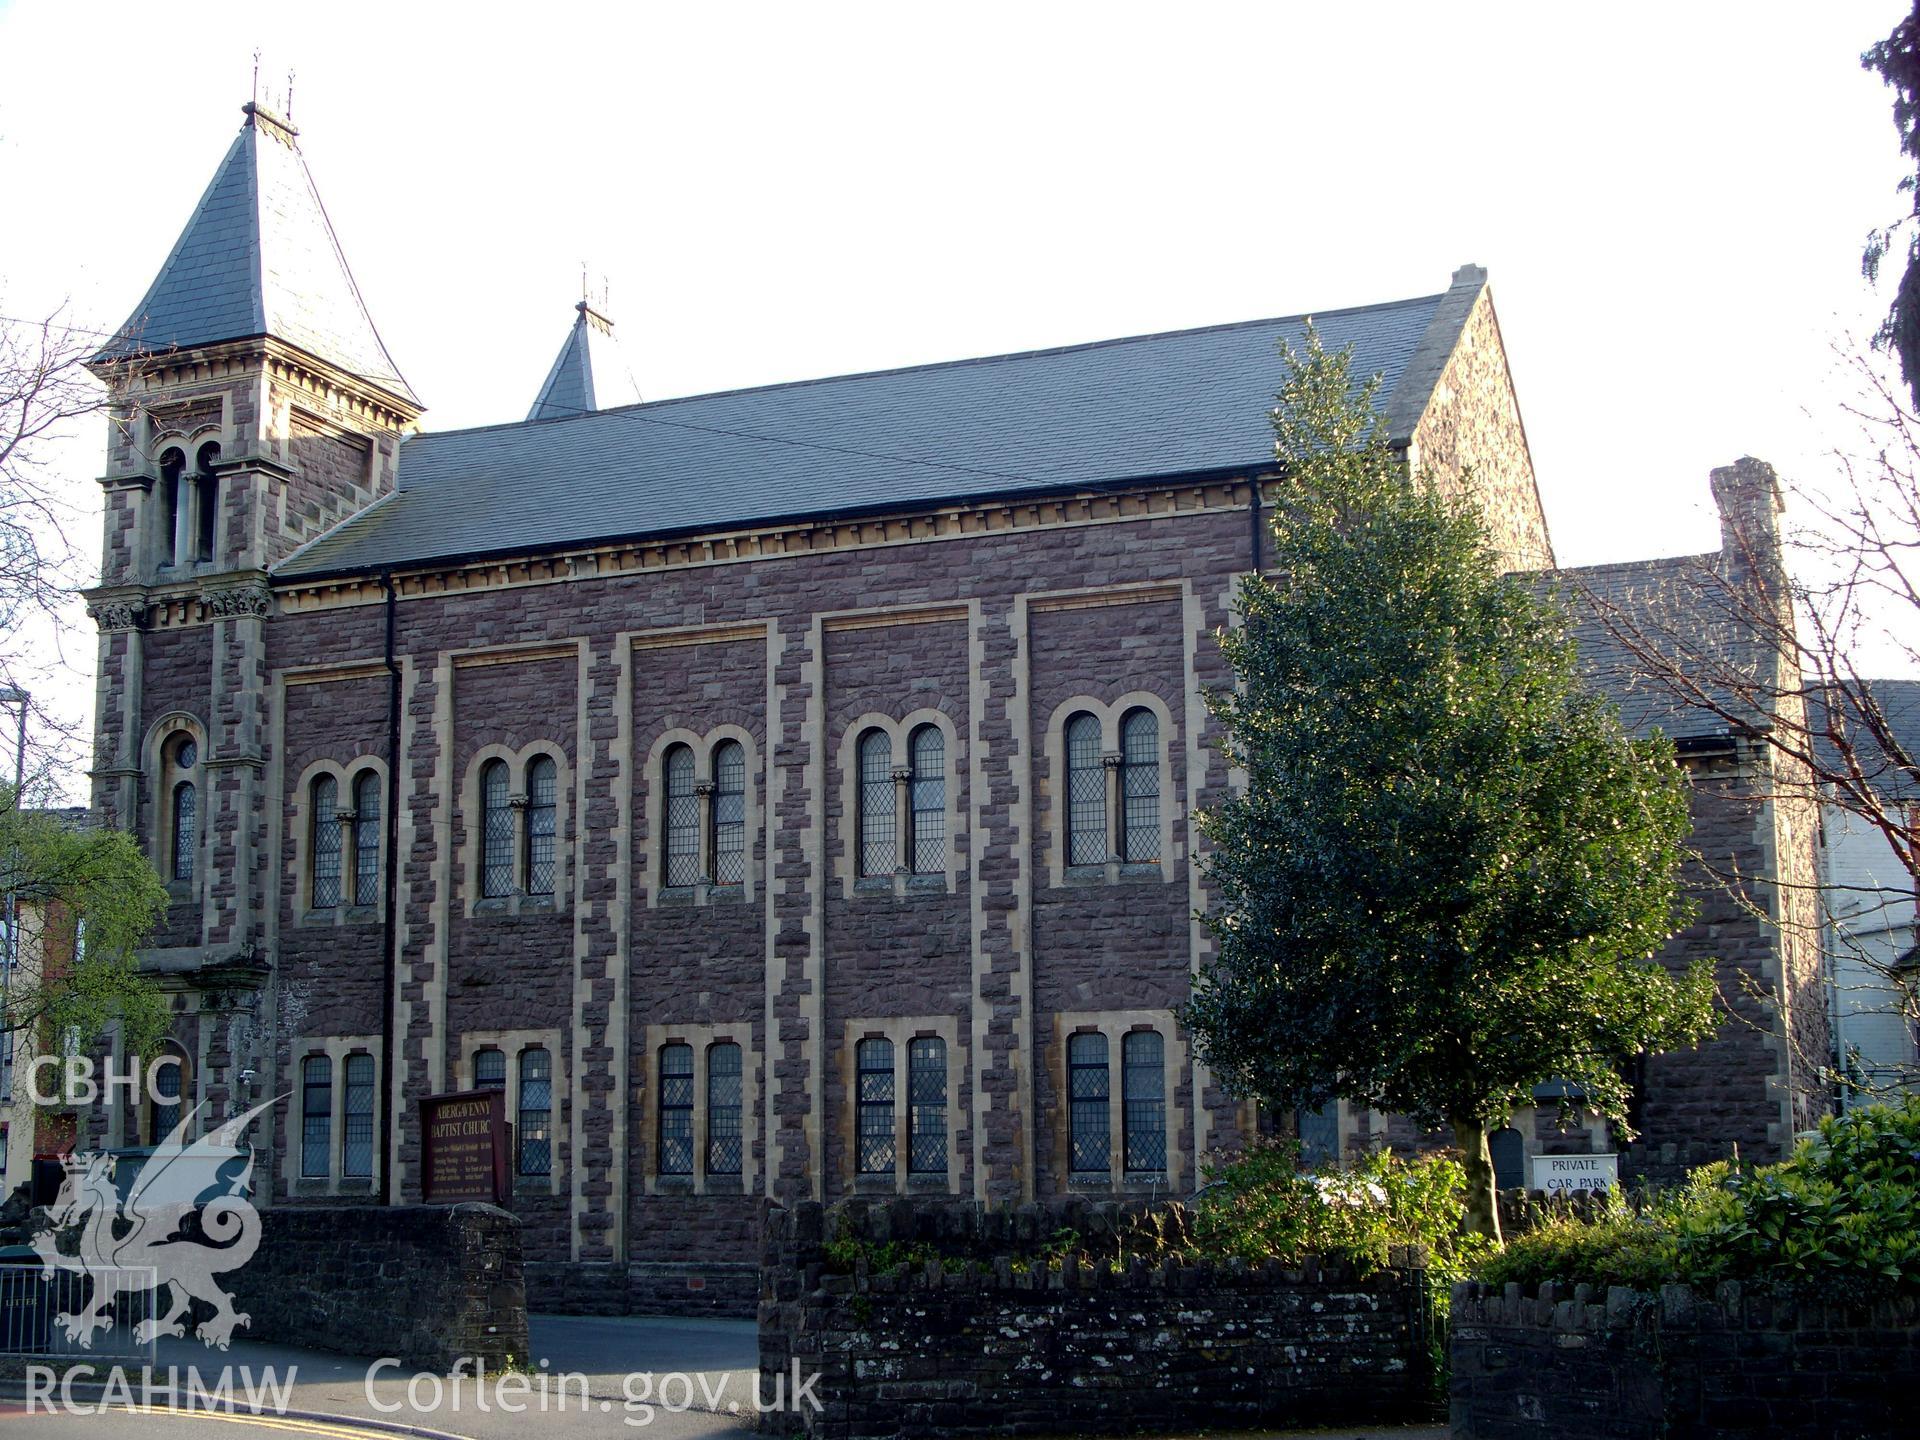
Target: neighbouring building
792, 787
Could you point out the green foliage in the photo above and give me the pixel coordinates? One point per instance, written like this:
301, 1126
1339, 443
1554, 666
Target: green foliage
90, 886
1896, 60
1840, 1215
1451, 867
846, 1250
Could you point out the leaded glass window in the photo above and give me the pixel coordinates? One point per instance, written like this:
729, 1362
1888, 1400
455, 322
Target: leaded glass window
490, 1069
496, 830
723, 1109
356, 1145
536, 1112
1086, 793
185, 808
316, 1115
878, 852
1089, 1126
366, 839
326, 843
676, 1109
729, 814
927, 1105
927, 791
168, 1074
1140, 786
1143, 1102
873, 1060
682, 819
543, 786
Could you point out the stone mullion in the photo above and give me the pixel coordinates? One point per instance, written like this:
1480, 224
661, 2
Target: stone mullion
601, 875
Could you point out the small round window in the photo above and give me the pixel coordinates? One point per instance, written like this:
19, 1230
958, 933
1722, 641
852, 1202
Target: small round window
186, 753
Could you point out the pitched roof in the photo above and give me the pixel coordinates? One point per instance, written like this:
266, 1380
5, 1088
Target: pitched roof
1186, 403
588, 374
259, 257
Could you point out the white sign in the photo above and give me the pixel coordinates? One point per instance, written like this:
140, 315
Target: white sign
1561, 1173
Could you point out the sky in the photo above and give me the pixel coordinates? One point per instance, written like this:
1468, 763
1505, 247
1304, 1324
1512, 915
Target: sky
1671, 200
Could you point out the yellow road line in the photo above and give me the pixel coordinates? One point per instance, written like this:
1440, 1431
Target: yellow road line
267, 1421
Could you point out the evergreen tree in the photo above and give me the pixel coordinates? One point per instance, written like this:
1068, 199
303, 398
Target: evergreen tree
1449, 872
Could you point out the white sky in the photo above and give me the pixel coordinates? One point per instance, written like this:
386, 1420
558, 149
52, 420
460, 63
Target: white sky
1671, 200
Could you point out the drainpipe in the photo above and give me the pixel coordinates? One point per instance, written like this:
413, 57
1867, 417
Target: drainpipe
1253, 523
389, 928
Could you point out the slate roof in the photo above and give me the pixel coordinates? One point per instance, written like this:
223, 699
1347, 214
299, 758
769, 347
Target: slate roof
1187, 403
1899, 701
588, 374
259, 257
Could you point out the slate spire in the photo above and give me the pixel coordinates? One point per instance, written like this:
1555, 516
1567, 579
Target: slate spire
258, 258
588, 374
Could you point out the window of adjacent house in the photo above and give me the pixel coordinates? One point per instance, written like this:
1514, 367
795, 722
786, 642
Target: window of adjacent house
173, 466
326, 842
496, 830
366, 839
729, 813
316, 1115
927, 1105
490, 1069
356, 1146
724, 1134
206, 488
676, 1109
183, 807
1143, 1102
1086, 793
878, 852
873, 1060
536, 1112
169, 1075
1140, 787
1089, 1128
682, 819
543, 787
927, 799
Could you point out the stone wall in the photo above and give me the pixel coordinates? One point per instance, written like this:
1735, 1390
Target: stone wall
967, 1345
426, 1284
1626, 1365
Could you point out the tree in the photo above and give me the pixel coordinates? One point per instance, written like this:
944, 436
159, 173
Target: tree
87, 901
1896, 60
1450, 868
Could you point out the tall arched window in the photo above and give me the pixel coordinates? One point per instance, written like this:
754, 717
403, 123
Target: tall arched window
873, 1059
206, 490
723, 1109
729, 813
536, 1112
927, 1105
681, 819
169, 1083
496, 831
356, 1145
676, 1109
326, 842
173, 466
1140, 786
183, 807
366, 838
927, 798
316, 1116
1143, 1102
1086, 793
878, 850
543, 787
1090, 1129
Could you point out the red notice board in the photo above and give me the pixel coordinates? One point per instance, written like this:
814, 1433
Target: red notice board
464, 1145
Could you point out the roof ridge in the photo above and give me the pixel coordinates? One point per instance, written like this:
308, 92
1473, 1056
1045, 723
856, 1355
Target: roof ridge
1642, 563
933, 365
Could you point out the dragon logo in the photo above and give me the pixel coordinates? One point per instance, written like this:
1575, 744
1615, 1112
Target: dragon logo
182, 1219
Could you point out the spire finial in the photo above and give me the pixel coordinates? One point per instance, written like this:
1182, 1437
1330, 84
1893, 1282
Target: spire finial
256, 75
289, 95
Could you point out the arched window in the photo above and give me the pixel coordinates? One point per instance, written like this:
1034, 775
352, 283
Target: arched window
490, 1069
326, 843
723, 1109
1086, 793
681, 820
206, 501
366, 838
173, 465
1090, 1129
873, 1059
183, 803
927, 1105
169, 1083
356, 1145
1140, 787
542, 799
877, 831
316, 1116
927, 797
729, 813
676, 1109
536, 1112
496, 830
1143, 1102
